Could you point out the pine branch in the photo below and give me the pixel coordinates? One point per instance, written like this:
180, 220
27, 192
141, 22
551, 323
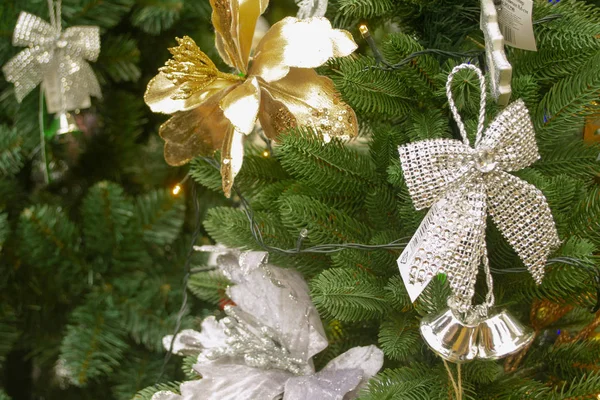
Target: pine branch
48, 238
568, 102
161, 216
147, 393
138, 371
4, 229
399, 338
94, 342
209, 286
331, 167
324, 223
11, 157
348, 295
154, 17
104, 13
107, 214
421, 72
365, 8
119, 60
370, 91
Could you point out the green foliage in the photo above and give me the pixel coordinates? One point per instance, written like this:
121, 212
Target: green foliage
413, 383
147, 393
9, 333
348, 295
365, 8
332, 167
11, 157
370, 90
48, 237
106, 216
421, 72
106, 13
161, 216
118, 59
4, 229
569, 101
94, 342
209, 286
399, 338
140, 370
154, 17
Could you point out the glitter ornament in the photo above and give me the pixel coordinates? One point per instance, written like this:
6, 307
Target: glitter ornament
462, 185
497, 62
214, 110
263, 348
55, 58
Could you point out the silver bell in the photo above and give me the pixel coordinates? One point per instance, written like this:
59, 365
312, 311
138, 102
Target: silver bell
66, 123
488, 339
500, 336
450, 338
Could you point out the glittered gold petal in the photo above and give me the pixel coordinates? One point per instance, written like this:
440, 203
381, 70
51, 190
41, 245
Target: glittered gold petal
241, 105
160, 91
199, 131
306, 43
232, 158
224, 19
235, 22
313, 101
274, 116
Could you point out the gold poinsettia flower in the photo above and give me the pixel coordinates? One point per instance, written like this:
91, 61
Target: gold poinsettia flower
214, 110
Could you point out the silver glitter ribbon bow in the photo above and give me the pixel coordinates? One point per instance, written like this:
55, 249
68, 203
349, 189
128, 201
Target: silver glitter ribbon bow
462, 185
55, 58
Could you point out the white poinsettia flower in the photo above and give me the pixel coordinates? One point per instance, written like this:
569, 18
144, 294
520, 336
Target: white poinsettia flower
263, 349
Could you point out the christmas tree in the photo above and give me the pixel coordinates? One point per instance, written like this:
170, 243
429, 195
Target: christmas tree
95, 260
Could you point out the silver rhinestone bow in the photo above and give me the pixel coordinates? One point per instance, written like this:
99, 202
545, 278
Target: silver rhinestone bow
55, 58
462, 185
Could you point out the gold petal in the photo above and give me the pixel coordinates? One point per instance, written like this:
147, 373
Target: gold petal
249, 11
234, 22
232, 158
241, 105
274, 116
199, 131
223, 16
313, 101
306, 43
160, 92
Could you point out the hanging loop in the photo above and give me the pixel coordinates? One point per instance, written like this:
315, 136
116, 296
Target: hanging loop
456, 115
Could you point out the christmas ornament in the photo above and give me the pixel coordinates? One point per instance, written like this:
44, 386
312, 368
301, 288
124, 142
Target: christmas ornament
461, 185
311, 8
483, 338
264, 347
497, 63
65, 123
216, 110
56, 59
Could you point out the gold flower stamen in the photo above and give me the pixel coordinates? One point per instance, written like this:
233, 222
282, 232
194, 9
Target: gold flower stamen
192, 70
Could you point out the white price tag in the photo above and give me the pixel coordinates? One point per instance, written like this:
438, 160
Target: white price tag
407, 258
516, 23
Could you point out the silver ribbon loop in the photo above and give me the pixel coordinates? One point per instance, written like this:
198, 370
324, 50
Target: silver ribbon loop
462, 184
58, 59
